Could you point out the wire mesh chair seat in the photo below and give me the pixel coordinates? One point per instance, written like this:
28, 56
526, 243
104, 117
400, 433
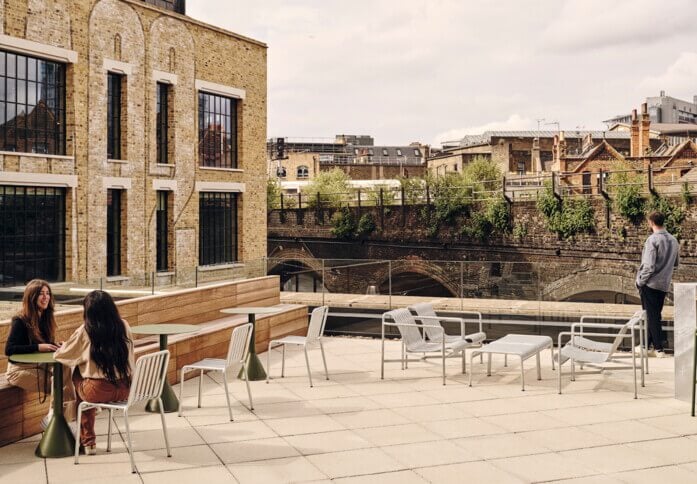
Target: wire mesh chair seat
146, 384
414, 341
315, 330
581, 349
236, 359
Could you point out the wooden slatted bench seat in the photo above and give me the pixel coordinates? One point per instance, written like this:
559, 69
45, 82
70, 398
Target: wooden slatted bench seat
21, 412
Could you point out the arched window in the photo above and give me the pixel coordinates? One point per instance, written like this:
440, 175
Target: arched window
303, 172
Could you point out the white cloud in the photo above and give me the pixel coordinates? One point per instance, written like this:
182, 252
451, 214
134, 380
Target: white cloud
514, 122
588, 24
678, 80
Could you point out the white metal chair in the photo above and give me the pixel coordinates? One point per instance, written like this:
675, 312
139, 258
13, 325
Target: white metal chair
146, 384
580, 349
315, 330
236, 359
426, 314
414, 341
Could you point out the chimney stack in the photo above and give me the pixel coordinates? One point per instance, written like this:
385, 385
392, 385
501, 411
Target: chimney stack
644, 134
634, 136
663, 93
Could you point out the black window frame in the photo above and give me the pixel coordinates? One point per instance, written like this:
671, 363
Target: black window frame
218, 228
114, 97
113, 232
33, 235
35, 88
162, 120
162, 230
217, 131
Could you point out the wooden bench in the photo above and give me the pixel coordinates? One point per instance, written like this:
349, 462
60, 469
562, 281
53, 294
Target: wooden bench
21, 412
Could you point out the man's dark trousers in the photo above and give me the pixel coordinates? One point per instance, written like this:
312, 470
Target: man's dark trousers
652, 301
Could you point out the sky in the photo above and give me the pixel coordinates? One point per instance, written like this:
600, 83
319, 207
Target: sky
435, 70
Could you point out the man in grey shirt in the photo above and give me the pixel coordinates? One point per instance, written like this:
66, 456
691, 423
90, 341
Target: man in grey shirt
658, 259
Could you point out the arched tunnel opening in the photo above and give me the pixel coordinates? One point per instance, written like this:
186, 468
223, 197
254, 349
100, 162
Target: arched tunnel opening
415, 284
604, 297
297, 277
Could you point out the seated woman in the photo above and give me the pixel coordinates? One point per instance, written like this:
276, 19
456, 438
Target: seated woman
34, 329
101, 350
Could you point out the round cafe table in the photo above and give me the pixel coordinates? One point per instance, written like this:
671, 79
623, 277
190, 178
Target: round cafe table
58, 439
255, 370
169, 399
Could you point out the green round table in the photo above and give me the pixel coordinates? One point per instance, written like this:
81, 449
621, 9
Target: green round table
169, 399
255, 370
58, 439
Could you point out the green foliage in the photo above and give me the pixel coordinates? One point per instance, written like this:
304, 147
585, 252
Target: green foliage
685, 194
482, 175
372, 195
366, 225
520, 231
674, 213
568, 217
498, 214
625, 190
333, 188
413, 189
477, 227
344, 224
492, 216
273, 194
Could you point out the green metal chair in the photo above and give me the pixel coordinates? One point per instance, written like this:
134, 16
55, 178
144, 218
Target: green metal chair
694, 373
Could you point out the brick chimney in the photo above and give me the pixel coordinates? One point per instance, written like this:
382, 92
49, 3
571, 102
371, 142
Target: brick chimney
536, 161
644, 134
559, 152
634, 148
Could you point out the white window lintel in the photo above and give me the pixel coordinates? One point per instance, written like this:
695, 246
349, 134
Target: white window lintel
164, 185
37, 49
111, 65
235, 187
117, 182
166, 77
220, 89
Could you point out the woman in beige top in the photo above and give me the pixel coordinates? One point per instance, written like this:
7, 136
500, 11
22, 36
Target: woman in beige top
101, 351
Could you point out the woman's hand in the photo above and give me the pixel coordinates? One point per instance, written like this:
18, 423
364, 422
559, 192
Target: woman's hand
47, 347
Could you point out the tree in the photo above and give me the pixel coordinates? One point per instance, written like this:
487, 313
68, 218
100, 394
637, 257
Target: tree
332, 186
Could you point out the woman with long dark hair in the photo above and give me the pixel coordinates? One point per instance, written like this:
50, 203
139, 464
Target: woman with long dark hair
101, 350
34, 329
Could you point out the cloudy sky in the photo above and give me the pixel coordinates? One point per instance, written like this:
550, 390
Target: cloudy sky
433, 70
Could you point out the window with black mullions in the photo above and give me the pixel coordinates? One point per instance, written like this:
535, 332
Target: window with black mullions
32, 104
113, 233
217, 135
162, 123
162, 230
217, 228
32, 239
114, 116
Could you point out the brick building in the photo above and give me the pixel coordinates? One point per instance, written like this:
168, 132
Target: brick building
132, 140
672, 160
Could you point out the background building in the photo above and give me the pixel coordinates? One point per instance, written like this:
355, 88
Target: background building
131, 141
664, 109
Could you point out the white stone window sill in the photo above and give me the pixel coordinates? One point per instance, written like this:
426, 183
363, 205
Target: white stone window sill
220, 267
165, 165
165, 273
37, 155
123, 162
117, 278
213, 168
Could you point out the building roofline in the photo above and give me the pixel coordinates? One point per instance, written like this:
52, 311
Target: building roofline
193, 21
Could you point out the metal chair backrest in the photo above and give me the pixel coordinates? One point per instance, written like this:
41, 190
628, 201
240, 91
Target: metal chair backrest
407, 326
239, 344
426, 310
628, 326
318, 319
148, 377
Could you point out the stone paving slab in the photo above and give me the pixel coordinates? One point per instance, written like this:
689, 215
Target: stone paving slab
408, 428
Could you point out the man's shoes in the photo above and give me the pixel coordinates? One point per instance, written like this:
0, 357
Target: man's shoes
91, 450
660, 354
638, 350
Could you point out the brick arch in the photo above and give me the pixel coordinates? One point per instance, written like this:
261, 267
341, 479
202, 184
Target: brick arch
589, 281
446, 273
298, 255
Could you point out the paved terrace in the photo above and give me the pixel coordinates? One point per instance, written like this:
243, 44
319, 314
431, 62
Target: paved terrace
407, 429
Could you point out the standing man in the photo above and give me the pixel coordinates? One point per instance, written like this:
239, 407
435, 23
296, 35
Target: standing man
658, 259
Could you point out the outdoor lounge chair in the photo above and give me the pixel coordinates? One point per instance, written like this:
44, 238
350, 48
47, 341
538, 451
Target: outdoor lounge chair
426, 314
318, 318
414, 341
236, 360
148, 380
580, 349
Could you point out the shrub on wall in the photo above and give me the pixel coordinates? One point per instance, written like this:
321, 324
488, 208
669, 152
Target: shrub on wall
566, 217
273, 194
366, 225
333, 189
674, 213
625, 190
344, 224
